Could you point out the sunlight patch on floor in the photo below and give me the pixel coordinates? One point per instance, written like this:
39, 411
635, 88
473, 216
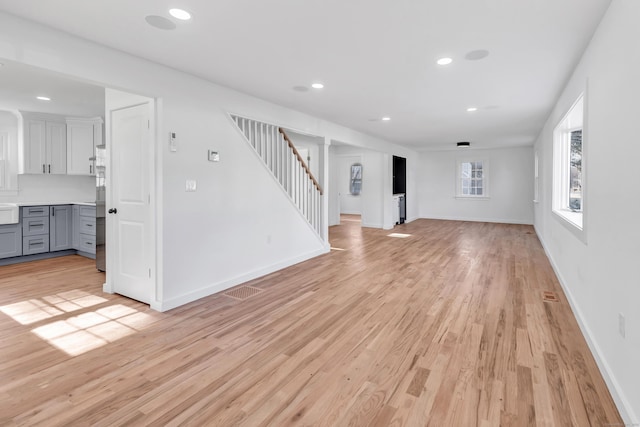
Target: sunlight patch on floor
399, 235
86, 331
35, 310
89, 331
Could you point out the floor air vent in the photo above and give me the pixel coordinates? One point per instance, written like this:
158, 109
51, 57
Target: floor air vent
243, 292
550, 296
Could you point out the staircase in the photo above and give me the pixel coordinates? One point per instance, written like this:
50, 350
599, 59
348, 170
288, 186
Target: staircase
280, 156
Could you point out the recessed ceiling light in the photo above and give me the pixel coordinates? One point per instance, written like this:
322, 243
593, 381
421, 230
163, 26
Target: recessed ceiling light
386, 119
472, 109
43, 98
317, 85
180, 14
444, 61
300, 88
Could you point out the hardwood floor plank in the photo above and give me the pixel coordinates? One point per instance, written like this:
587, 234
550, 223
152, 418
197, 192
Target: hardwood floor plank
446, 327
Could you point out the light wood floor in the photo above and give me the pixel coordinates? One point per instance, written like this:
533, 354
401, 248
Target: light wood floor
446, 327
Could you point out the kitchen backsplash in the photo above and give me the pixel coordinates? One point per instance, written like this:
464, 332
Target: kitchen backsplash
53, 188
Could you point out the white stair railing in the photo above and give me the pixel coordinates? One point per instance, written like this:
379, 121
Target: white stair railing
280, 156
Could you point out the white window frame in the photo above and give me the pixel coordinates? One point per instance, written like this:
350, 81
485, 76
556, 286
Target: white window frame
485, 178
573, 120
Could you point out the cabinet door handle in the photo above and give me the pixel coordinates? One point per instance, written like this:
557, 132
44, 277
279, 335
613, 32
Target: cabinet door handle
49, 168
113, 211
90, 169
43, 169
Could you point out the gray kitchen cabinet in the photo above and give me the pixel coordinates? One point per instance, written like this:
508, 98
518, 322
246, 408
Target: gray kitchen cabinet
75, 228
60, 227
35, 229
10, 240
32, 245
86, 227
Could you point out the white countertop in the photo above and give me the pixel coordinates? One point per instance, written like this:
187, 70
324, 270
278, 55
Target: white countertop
54, 203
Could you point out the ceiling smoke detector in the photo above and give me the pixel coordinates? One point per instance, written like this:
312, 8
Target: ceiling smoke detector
463, 144
160, 22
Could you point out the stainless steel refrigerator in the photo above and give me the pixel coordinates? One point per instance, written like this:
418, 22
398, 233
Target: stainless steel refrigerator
100, 208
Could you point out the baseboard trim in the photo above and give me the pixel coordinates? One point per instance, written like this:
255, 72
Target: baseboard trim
619, 398
370, 225
493, 220
214, 288
36, 257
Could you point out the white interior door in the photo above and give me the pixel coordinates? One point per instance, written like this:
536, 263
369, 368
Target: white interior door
129, 245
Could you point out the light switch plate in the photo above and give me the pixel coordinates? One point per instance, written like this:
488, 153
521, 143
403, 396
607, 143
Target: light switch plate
191, 185
214, 156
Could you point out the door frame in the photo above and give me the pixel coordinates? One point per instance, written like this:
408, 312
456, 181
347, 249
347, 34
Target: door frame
129, 100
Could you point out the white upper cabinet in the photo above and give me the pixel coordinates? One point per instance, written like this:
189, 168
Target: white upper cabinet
83, 135
44, 144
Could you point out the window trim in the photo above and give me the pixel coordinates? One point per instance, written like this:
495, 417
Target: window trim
485, 178
573, 221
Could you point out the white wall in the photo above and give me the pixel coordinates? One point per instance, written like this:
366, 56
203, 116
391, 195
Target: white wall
600, 277
235, 226
349, 203
510, 186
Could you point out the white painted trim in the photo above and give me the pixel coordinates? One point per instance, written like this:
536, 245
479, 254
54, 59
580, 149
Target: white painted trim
348, 212
495, 220
214, 288
371, 225
621, 401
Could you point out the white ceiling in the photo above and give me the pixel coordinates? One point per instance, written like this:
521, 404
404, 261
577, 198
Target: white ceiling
376, 57
20, 85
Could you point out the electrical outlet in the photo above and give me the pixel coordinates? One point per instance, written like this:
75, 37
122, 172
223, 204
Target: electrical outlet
191, 185
621, 325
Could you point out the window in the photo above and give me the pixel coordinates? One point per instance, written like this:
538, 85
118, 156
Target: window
473, 179
568, 166
355, 183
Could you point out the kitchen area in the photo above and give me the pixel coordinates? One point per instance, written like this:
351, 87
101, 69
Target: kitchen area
52, 166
